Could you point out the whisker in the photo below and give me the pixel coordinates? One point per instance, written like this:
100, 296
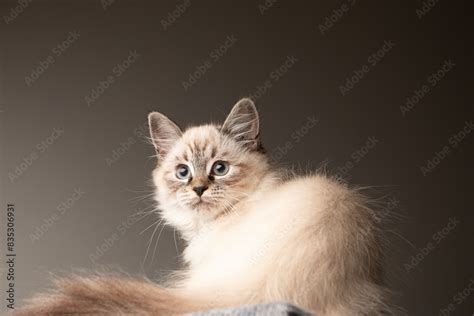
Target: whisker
175, 244
156, 244
149, 242
145, 211
143, 216
158, 221
141, 197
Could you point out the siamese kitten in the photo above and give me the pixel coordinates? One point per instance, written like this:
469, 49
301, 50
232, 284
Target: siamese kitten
253, 235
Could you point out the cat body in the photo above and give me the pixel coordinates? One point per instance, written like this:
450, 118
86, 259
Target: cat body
296, 253
253, 235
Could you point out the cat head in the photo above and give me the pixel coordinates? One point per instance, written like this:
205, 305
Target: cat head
204, 171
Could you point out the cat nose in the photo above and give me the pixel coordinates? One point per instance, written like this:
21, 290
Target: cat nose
200, 190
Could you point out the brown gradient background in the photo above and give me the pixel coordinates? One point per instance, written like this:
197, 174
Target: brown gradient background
154, 82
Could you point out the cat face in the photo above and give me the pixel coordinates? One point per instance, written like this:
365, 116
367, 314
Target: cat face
205, 171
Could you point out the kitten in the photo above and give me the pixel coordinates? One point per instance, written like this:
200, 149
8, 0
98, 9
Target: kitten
252, 234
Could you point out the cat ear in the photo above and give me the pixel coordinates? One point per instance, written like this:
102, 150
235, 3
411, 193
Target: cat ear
242, 123
163, 131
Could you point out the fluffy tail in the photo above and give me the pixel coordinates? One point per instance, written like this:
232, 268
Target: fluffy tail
101, 295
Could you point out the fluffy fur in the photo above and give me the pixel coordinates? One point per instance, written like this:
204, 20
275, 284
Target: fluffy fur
253, 235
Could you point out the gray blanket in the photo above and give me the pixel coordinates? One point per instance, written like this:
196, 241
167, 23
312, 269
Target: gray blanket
275, 309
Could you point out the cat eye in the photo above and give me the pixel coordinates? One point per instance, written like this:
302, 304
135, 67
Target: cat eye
220, 168
182, 172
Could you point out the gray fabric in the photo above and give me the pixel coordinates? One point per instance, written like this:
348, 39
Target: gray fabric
275, 309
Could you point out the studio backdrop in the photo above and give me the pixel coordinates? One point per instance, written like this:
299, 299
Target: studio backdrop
377, 93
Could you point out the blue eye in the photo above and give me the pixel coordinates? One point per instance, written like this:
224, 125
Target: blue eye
182, 172
220, 168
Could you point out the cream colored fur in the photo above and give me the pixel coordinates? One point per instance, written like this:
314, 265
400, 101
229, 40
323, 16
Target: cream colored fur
257, 236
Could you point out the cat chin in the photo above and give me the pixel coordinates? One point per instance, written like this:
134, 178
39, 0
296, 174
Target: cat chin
186, 219
203, 211
202, 206
196, 205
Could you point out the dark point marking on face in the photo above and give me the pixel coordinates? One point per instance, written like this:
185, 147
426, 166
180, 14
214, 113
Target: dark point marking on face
232, 180
172, 182
199, 163
224, 154
213, 152
240, 165
261, 149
